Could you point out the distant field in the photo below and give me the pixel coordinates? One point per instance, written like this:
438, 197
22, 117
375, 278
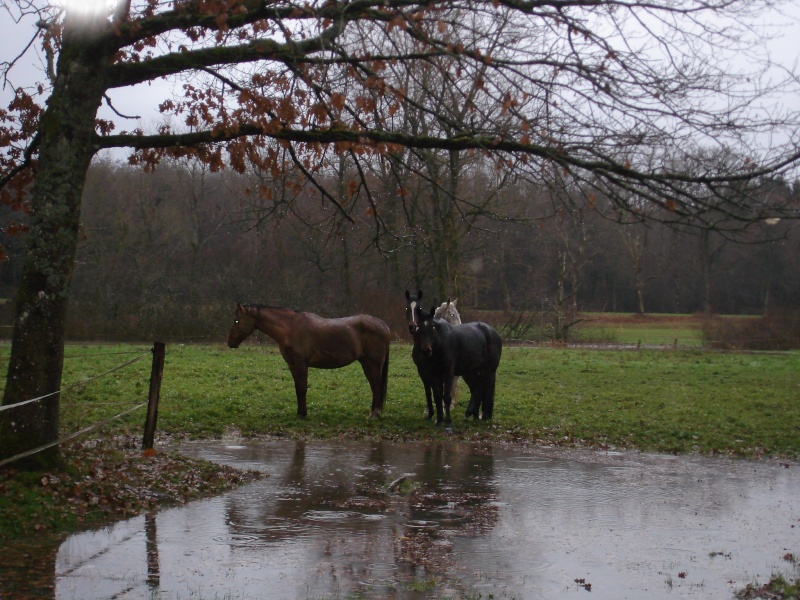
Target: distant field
647, 330
655, 329
626, 329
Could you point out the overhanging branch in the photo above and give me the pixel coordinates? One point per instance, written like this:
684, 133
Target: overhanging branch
132, 73
607, 168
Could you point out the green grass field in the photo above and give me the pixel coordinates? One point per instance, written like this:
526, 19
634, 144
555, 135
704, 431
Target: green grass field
654, 400
623, 329
665, 333
651, 330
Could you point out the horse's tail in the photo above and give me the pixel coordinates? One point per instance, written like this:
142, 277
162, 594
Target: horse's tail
385, 375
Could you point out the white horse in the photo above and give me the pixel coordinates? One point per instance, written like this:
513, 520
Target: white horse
449, 313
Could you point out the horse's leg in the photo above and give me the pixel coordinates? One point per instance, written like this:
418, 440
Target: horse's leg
455, 392
384, 377
487, 394
429, 400
438, 389
374, 373
300, 374
448, 399
426, 384
474, 384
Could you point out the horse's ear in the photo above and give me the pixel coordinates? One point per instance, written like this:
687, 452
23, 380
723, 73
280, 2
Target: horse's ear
433, 311
454, 301
408, 296
239, 307
448, 300
419, 294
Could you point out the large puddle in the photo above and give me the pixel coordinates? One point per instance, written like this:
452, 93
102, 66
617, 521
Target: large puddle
468, 521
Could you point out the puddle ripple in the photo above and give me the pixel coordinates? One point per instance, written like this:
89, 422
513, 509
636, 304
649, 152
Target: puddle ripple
337, 516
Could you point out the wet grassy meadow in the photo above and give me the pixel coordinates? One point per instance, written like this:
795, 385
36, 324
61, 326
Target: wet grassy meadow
661, 400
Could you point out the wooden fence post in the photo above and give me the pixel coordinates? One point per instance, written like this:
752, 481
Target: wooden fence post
159, 350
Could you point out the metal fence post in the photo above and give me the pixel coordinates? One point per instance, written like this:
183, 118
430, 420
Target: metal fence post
159, 351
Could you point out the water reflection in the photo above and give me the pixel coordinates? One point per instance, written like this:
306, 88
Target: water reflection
327, 508
153, 569
467, 520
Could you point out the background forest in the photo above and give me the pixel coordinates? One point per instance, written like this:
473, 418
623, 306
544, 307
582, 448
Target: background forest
166, 254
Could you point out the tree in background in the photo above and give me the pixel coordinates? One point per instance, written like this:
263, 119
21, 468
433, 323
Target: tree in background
132, 282
601, 91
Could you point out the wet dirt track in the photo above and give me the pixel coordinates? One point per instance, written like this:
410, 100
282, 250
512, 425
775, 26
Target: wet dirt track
461, 521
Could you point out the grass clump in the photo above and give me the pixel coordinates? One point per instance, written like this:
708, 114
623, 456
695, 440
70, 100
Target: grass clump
777, 588
777, 331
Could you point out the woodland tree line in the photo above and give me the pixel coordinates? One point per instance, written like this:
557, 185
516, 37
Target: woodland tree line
169, 252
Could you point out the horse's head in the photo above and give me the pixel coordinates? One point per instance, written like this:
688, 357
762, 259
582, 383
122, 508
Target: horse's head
243, 325
426, 335
449, 312
413, 311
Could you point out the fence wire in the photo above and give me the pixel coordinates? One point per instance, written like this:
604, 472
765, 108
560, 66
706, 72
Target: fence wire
85, 429
74, 385
70, 436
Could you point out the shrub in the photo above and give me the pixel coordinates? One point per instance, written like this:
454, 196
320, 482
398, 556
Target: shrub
777, 331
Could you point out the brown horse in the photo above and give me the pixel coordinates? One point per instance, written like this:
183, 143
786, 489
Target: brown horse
307, 340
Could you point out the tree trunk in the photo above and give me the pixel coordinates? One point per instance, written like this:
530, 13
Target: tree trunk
341, 192
37, 351
639, 298
560, 333
768, 262
705, 260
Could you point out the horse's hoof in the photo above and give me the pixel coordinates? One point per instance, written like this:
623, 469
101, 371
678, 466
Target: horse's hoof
375, 414
301, 415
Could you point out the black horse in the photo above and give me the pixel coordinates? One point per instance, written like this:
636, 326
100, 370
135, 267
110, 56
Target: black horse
413, 309
442, 351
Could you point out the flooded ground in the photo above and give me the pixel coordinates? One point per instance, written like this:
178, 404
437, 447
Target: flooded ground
381, 520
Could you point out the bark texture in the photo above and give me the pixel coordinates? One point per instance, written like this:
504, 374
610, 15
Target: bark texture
37, 352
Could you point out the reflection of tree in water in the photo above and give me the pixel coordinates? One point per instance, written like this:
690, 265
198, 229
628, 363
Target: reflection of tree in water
452, 493
454, 498
329, 507
151, 541
30, 568
313, 480
457, 486
372, 535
